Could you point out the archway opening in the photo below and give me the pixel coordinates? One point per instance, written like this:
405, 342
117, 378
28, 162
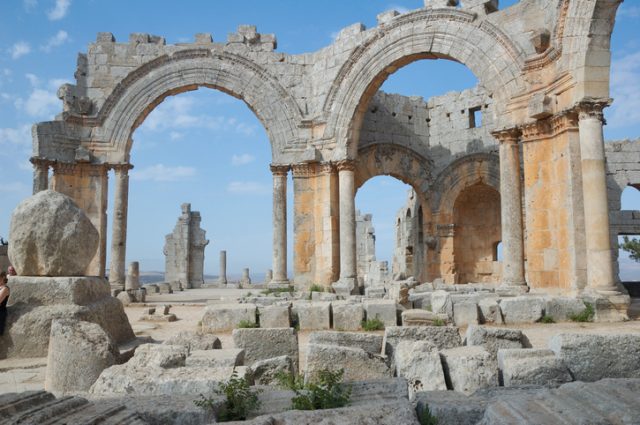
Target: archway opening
208, 149
477, 234
629, 265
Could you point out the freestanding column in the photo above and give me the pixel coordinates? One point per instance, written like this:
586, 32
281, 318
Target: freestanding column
222, 278
40, 175
511, 209
279, 224
117, 276
594, 188
346, 190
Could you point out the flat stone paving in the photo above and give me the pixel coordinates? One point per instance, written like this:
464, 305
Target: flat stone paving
188, 306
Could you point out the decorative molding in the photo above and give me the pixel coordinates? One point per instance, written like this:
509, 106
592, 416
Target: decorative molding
304, 170
346, 165
279, 170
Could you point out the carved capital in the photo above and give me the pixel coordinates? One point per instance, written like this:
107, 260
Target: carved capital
327, 168
346, 165
40, 162
592, 109
508, 135
122, 168
279, 170
304, 170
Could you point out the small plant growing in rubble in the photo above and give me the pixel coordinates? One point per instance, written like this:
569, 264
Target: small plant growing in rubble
240, 400
585, 315
324, 391
373, 324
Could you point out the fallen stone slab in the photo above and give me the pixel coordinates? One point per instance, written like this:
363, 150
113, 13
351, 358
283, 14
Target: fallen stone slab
494, 339
522, 309
275, 316
490, 311
225, 317
468, 369
465, 313
419, 363
228, 357
441, 303
441, 336
314, 315
370, 343
347, 316
562, 308
593, 357
519, 367
261, 344
158, 355
418, 317
358, 365
194, 341
265, 372
384, 310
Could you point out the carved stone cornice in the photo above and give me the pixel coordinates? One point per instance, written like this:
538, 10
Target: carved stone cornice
279, 170
508, 135
550, 127
346, 165
41, 162
78, 169
326, 168
304, 170
592, 109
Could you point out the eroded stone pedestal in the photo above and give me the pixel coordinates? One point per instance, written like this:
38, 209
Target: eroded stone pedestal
36, 301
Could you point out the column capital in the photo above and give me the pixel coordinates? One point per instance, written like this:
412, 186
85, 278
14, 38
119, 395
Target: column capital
280, 170
592, 108
40, 162
346, 165
122, 167
508, 135
326, 168
304, 169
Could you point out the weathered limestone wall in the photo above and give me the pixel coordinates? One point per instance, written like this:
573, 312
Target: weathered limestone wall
184, 251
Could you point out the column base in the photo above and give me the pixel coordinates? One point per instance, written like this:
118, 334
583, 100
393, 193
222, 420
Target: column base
345, 286
609, 305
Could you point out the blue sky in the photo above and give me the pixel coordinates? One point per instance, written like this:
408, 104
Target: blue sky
205, 147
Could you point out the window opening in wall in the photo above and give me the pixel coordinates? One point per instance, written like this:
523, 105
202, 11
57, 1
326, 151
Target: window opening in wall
497, 251
475, 117
629, 266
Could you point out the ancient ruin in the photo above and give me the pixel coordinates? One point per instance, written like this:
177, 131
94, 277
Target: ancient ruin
450, 330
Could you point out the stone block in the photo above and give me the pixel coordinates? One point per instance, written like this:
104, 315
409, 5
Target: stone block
375, 292
562, 308
494, 339
314, 315
385, 310
441, 336
194, 341
441, 303
158, 355
265, 372
275, 316
465, 313
452, 407
347, 316
229, 357
468, 369
417, 317
261, 344
78, 353
368, 342
522, 309
224, 317
419, 363
594, 357
421, 300
520, 367
490, 311
358, 365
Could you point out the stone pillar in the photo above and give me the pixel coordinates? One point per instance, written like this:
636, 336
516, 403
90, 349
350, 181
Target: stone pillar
133, 277
40, 175
600, 275
222, 275
119, 227
280, 224
246, 279
511, 209
348, 264
268, 276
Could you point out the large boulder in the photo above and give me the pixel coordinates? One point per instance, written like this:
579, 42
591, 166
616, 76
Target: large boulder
358, 365
419, 363
520, 367
51, 236
261, 344
468, 369
78, 353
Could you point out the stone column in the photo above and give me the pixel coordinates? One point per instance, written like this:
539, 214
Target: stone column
222, 275
117, 275
279, 224
600, 275
346, 189
40, 175
133, 276
511, 209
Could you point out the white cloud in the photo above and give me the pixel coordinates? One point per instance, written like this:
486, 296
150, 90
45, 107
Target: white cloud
19, 49
59, 39
254, 188
33, 80
59, 11
14, 187
16, 136
40, 103
176, 135
628, 11
243, 159
625, 89
163, 173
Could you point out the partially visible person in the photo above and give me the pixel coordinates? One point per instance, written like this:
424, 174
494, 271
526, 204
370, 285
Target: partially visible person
4, 298
11, 271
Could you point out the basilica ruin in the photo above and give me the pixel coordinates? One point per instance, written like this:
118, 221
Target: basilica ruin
518, 163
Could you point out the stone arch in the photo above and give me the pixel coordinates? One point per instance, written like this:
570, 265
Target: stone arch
144, 88
463, 173
423, 34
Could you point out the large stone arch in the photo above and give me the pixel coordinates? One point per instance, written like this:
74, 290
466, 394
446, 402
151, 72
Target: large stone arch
145, 87
424, 34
